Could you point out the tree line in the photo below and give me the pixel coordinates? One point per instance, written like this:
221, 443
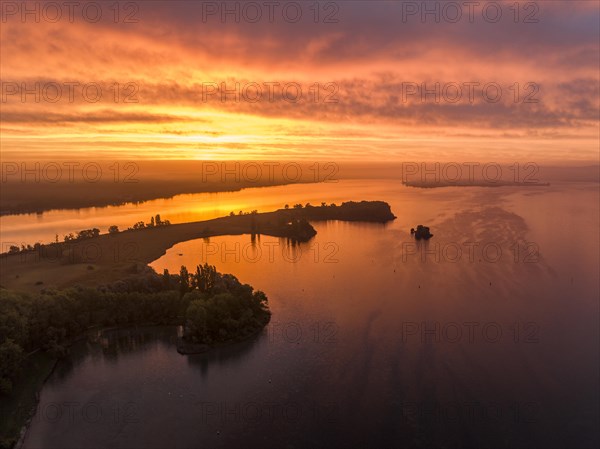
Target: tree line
213, 307
85, 234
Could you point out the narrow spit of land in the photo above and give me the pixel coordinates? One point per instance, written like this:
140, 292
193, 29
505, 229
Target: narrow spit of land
110, 257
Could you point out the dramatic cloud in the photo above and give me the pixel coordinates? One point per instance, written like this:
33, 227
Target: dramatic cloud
260, 79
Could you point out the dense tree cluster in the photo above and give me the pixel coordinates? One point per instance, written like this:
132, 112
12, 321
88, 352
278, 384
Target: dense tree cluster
221, 308
215, 307
82, 235
372, 211
48, 321
154, 221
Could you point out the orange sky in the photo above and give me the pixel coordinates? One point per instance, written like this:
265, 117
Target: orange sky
367, 68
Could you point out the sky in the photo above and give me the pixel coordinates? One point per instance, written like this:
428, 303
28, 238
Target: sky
343, 80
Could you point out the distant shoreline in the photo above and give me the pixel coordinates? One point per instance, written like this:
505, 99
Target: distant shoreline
86, 196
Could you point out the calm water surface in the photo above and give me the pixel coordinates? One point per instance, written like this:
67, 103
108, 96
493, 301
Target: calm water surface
486, 336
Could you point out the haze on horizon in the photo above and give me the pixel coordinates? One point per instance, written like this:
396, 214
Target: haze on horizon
158, 64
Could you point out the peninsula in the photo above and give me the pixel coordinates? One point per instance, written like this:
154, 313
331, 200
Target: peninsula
106, 258
52, 294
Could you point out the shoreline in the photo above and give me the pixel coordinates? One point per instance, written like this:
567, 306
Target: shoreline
27, 205
24, 428
108, 258
40, 385
22, 271
31, 414
187, 348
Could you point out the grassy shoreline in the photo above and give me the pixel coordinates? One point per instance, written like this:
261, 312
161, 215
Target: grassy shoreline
108, 258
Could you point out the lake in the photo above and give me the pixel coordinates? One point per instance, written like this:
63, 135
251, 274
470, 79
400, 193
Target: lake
484, 336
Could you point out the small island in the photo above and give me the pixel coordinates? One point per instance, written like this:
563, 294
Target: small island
422, 232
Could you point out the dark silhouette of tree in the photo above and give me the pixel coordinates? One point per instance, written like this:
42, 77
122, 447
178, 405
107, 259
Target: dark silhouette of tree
166, 278
184, 280
205, 277
11, 355
113, 229
87, 234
